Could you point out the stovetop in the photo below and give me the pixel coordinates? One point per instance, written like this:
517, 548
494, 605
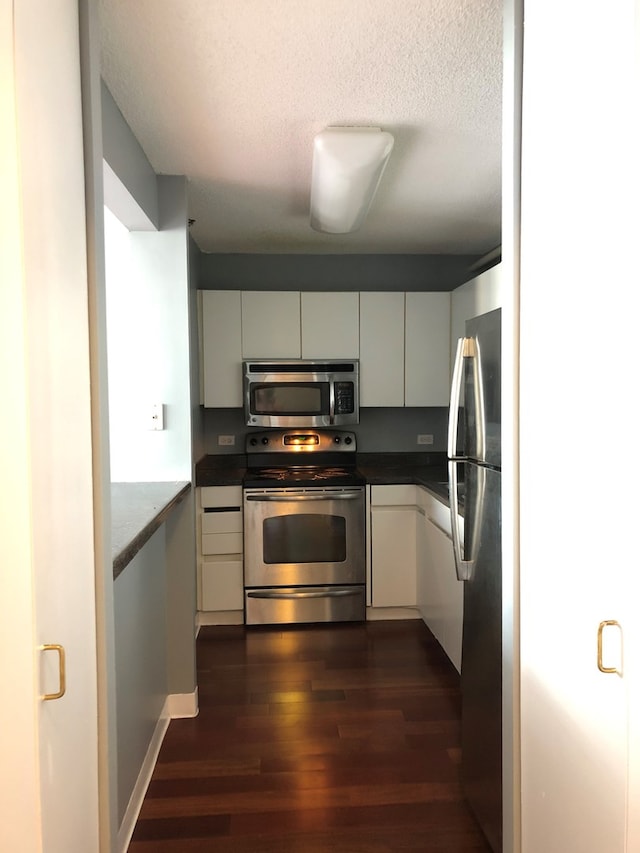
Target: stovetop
280, 458
303, 475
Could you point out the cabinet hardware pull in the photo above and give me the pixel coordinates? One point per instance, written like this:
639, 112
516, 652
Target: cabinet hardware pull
291, 498
55, 647
608, 670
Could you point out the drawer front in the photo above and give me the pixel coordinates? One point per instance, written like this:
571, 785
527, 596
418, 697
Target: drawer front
222, 522
397, 495
217, 496
440, 515
221, 585
222, 543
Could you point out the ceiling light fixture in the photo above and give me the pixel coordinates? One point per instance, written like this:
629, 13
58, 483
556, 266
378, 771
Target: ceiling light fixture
348, 163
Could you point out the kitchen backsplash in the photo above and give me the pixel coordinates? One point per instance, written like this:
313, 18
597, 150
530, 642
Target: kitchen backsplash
379, 430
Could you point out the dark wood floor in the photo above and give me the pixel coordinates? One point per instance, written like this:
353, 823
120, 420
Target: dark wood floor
340, 738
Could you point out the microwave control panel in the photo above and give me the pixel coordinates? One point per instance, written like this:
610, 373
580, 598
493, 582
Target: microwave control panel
344, 398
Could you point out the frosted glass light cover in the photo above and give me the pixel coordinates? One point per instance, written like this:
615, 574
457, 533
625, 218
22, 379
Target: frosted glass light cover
348, 163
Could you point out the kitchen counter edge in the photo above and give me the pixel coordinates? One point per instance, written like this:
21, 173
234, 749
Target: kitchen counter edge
378, 469
137, 511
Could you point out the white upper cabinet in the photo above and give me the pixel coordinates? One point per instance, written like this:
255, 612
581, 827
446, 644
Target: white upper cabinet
330, 325
221, 341
271, 324
382, 349
402, 340
427, 336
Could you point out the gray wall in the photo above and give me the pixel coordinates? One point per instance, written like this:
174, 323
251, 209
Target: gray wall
154, 597
197, 411
123, 153
379, 430
334, 272
140, 601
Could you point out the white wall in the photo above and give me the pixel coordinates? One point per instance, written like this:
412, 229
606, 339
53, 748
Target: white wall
148, 343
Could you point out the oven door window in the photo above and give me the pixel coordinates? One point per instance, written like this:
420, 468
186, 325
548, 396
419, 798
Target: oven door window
290, 398
304, 538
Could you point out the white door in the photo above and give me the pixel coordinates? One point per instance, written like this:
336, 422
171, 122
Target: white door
49, 774
578, 374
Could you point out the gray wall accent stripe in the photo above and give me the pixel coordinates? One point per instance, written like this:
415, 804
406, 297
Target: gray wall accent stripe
334, 272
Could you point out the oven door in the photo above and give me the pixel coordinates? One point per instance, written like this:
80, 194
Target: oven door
304, 537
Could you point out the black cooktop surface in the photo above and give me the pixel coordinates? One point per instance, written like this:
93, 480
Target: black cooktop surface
303, 475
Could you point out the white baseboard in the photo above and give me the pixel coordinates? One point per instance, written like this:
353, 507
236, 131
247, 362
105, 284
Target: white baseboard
220, 617
176, 706
182, 705
375, 614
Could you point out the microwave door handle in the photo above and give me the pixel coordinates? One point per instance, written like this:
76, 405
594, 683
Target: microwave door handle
332, 403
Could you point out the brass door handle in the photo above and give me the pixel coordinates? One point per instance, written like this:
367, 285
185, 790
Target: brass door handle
608, 670
62, 687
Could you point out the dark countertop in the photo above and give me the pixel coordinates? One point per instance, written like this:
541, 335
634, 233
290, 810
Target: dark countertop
379, 469
221, 470
137, 511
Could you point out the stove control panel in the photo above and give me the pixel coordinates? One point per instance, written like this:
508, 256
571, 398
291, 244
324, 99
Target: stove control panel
300, 441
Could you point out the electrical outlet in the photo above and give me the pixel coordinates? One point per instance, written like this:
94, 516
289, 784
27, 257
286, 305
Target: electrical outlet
425, 439
226, 440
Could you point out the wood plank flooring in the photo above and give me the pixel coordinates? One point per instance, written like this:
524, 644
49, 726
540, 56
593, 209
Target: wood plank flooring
341, 738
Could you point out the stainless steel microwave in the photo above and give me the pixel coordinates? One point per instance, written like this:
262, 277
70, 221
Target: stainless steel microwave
281, 393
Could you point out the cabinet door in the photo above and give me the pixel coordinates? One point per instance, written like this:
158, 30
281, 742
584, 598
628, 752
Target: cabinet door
221, 335
382, 349
427, 338
393, 557
446, 609
221, 584
424, 568
270, 324
330, 325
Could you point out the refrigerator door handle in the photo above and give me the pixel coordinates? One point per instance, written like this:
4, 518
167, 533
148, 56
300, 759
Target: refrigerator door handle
467, 348
454, 402
464, 567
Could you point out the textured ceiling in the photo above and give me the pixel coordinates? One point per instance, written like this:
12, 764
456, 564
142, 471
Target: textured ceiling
230, 93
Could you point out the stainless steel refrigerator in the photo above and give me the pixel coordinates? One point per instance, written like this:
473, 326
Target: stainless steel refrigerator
474, 470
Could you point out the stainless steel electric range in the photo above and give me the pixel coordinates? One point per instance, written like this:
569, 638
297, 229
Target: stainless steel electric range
304, 528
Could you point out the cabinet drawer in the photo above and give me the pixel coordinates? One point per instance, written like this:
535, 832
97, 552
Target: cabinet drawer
217, 496
440, 516
397, 495
221, 586
222, 522
222, 543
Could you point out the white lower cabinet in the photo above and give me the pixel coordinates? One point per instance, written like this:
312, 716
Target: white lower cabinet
393, 546
220, 548
439, 592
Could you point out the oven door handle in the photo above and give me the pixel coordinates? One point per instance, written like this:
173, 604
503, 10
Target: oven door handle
336, 496
290, 596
